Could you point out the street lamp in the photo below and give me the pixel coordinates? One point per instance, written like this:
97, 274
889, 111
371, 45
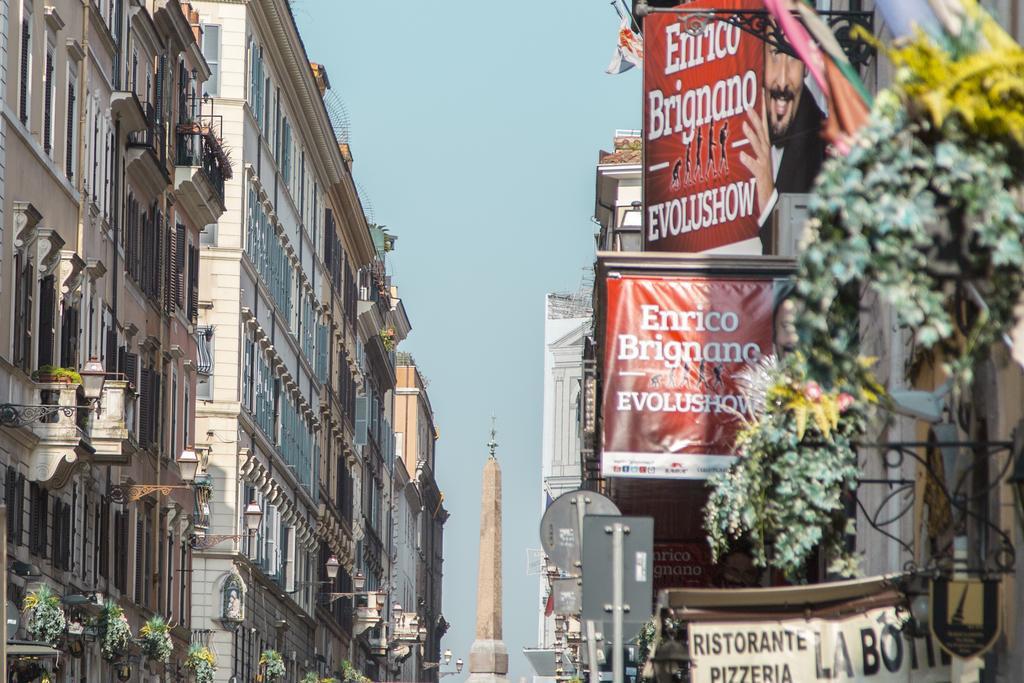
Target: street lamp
447, 657
396, 609
359, 581
93, 376
332, 567
668, 660
458, 666
1016, 479
253, 516
188, 464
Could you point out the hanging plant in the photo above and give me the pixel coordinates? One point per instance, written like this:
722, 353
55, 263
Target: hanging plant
351, 674
201, 662
155, 638
46, 621
924, 213
785, 494
116, 631
314, 677
272, 664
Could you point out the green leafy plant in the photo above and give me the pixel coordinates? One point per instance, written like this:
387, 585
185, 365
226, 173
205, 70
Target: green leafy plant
314, 677
272, 664
350, 674
387, 337
923, 214
155, 639
201, 662
117, 634
54, 373
46, 620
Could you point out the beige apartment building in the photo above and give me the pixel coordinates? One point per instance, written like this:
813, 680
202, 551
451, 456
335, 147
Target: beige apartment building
112, 168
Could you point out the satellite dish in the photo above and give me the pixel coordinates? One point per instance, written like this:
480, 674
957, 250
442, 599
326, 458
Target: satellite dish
561, 528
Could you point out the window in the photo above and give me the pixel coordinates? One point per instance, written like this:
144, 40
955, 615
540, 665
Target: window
71, 129
208, 235
186, 427
39, 511
49, 95
174, 411
24, 297
211, 51
204, 366
24, 85
14, 498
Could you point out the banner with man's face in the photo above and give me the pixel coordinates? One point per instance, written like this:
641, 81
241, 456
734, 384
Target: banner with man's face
728, 125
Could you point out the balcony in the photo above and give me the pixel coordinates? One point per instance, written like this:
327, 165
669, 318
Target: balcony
52, 414
108, 430
126, 108
146, 156
201, 167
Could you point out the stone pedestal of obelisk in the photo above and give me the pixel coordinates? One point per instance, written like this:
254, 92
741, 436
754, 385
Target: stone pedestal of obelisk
488, 658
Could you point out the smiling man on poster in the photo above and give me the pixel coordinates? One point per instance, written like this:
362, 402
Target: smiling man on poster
786, 142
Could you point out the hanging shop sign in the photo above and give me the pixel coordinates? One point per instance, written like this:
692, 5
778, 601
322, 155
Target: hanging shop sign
869, 647
729, 124
674, 350
964, 615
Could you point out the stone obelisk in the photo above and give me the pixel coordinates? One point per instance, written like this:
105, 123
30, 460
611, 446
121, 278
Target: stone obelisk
488, 658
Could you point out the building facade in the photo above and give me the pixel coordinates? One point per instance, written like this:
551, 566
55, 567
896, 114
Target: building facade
417, 436
119, 170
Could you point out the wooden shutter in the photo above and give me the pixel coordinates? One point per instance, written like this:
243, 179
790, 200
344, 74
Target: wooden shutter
193, 283
48, 104
69, 336
110, 351
69, 134
179, 264
10, 488
130, 367
160, 71
145, 417
47, 299
26, 43
139, 569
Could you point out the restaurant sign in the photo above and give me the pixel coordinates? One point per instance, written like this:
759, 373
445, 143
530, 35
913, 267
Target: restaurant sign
870, 646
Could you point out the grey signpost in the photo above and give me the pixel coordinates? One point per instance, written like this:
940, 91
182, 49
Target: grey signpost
561, 535
629, 541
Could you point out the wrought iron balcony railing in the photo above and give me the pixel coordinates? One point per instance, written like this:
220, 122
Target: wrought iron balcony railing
153, 136
197, 146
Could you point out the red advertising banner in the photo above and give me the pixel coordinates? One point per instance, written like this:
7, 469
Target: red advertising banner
698, 89
673, 349
730, 122
682, 565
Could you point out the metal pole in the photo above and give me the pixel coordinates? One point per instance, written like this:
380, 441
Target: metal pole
595, 675
3, 589
617, 580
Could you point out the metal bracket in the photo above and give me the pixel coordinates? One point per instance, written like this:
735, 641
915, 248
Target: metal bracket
761, 25
130, 493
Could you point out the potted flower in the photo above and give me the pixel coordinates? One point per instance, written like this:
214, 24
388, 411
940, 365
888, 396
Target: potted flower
312, 677
49, 374
46, 622
352, 674
272, 664
116, 631
155, 639
201, 662
387, 337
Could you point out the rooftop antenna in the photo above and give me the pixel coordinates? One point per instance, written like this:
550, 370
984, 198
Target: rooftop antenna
492, 445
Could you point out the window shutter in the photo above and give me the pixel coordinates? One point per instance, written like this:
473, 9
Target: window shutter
145, 389
179, 264
362, 419
130, 367
47, 296
10, 488
26, 43
69, 336
69, 134
193, 283
111, 352
48, 104
160, 71
139, 570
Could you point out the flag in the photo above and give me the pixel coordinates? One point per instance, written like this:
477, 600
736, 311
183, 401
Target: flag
630, 49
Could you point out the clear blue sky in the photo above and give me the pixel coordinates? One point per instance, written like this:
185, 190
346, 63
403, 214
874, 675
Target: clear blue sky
475, 132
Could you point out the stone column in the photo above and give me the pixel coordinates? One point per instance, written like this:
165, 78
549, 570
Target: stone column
488, 658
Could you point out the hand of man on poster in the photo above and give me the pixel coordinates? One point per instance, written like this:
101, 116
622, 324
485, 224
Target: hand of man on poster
755, 128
